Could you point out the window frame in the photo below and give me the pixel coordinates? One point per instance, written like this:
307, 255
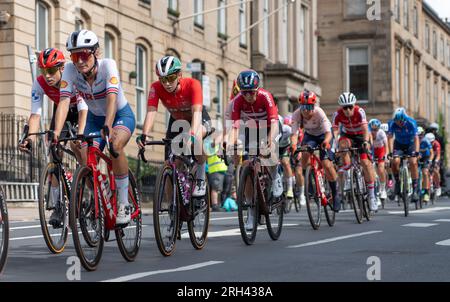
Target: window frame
141, 89
243, 24
369, 69
199, 20
222, 19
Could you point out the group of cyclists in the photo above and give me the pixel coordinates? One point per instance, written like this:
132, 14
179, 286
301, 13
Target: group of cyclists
87, 92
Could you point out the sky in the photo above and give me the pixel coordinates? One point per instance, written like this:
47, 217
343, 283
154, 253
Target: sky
442, 7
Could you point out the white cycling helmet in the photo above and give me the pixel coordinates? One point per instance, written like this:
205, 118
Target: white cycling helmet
420, 130
82, 39
434, 126
384, 127
430, 137
347, 99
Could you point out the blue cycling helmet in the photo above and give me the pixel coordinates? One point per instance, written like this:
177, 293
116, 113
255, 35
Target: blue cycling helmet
374, 123
248, 80
400, 115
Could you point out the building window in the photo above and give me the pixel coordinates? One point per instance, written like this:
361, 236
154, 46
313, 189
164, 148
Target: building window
222, 20
435, 46
198, 8
141, 83
441, 51
355, 8
427, 37
283, 34
416, 86
301, 49
428, 96
242, 23
109, 46
406, 82
448, 55
266, 28
42, 42
397, 76
173, 5
358, 72
405, 14
145, 1
436, 99
220, 90
416, 21
397, 10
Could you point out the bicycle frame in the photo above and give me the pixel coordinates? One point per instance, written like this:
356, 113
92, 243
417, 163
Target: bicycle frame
318, 170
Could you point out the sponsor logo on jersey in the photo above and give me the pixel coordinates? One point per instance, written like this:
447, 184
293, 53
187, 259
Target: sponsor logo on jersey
64, 84
114, 81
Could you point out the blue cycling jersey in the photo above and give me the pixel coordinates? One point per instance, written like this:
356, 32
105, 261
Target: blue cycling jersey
405, 134
425, 147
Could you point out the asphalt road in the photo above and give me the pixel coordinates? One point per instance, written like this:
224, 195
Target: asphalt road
390, 247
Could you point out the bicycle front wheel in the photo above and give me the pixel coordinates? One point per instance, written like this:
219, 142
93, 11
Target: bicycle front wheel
85, 221
248, 208
405, 192
274, 219
129, 238
54, 214
4, 231
313, 202
330, 214
357, 198
198, 225
166, 213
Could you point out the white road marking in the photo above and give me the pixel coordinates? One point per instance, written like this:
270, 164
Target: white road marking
334, 239
442, 220
151, 273
422, 211
420, 225
223, 218
444, 242
25, 227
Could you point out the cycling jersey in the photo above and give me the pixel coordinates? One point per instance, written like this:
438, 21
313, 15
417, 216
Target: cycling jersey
350, 125
403, 135
436, 148
263, 108
107, 82
425, 147
317, 125
41, 88
380, 140
179, 104
229, 110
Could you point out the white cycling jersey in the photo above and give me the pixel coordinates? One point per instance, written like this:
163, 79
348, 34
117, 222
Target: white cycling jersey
380, 140
106, 82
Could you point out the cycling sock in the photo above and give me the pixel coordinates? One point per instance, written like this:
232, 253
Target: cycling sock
333, 188
414, 183
290, 183
383, 186
55, 195
397, 178
301, 190
371, 188
122, 188
201, 173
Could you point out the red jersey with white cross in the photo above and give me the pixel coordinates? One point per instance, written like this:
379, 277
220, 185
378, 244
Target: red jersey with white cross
350, 125
179, 104
264, 108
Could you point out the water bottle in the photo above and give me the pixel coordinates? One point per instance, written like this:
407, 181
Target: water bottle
321, 182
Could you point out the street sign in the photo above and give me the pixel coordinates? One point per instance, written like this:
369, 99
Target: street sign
194, 67
206, 92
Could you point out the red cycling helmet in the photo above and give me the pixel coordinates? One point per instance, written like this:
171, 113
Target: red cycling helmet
307, 98
51, 57
287, 120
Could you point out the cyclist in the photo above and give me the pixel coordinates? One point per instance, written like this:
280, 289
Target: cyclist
284, 144
434, 128
355, 133
406, 141
435, 159
183, 98
380, 149
98, 82
426, 151
258, 106
317, 131
51, 63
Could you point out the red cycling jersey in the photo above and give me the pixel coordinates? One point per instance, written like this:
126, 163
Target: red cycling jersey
436, 147
263, 108
53, 92
179, 104
350, 125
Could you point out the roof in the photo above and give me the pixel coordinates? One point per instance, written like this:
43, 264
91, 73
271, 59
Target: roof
435, 16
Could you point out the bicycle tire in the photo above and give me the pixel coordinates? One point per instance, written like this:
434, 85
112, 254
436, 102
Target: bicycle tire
56, 245
199, 242
405, 192
248, 238
4, 231
173, 212
330, 214
134, 228
312, 200
356, 197
78, 215
276, 211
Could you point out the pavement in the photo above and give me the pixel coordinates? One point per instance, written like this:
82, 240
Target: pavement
390, 247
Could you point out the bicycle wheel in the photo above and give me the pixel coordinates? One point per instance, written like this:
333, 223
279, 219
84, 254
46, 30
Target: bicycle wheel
55, 236
166, 212
313, 204
274, 219
366, 205
248, 209
357, 198
330, 215
405, 192
4, 231
199, 224
85, 221
129, 238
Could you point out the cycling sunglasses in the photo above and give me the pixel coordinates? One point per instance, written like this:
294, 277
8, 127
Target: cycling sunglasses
169, 79
83, 55
308, 107
248, 92
350, 107
49, 71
